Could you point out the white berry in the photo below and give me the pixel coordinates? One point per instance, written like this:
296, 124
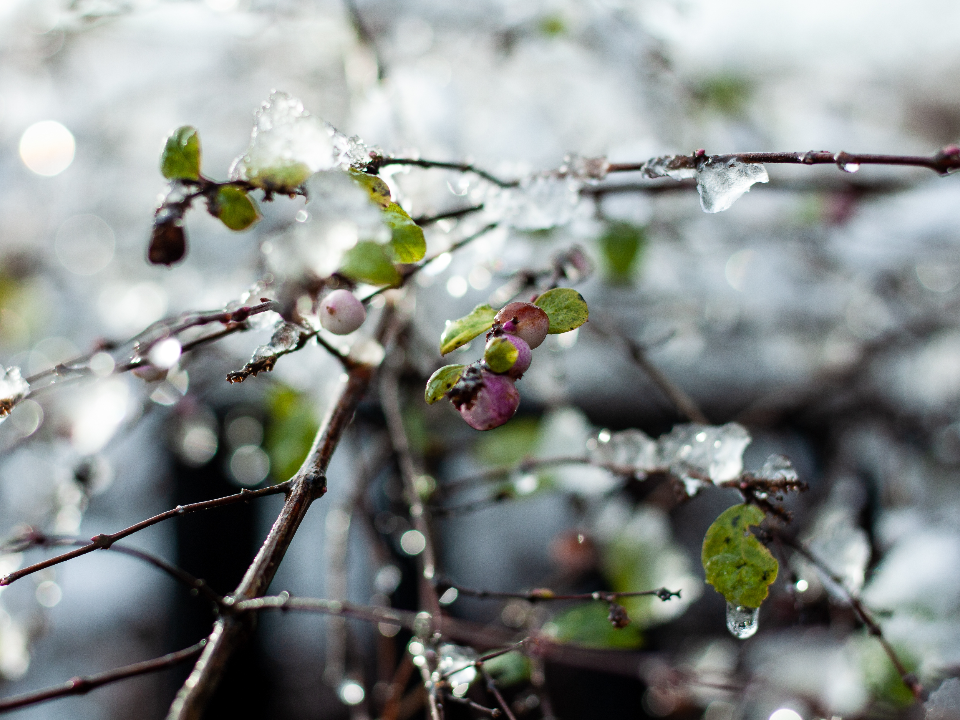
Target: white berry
341, 313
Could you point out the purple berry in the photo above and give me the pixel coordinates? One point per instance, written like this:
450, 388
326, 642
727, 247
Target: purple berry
524, 355
485, 400
525, 320
341, 313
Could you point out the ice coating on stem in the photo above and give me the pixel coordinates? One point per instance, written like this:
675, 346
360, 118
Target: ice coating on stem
721, 182
742, 622
459, 660
13, 388
778, 467
285, 338
704, 450
669, 167
628, 448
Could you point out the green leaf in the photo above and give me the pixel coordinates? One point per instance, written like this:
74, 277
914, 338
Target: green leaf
290, 427
285, 177
235, 208
441, 381
369, 262
737, 564
460, 332
622, 244
407, 241
565, 307
587, 625
180, 159
379, 191
500, 355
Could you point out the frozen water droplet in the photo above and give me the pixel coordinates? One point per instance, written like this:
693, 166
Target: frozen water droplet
850, 167
742, 622
589, 170
721, 183
714, 451
285, 338
459, 662
13, 388
628, 448
672, 167
778, 467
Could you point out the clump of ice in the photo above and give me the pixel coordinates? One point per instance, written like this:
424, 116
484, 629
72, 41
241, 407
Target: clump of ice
778, 467
288, 144
13, 388
721, 183
627, 448
458, 661
692, 451
842, 546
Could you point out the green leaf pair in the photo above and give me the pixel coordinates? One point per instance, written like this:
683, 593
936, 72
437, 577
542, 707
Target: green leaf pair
373, 263
737, 564
565, 307
180, 160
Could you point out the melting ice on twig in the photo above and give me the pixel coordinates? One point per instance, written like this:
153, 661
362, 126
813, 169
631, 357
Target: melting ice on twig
693, 450
13, 388
721, 182
628, 448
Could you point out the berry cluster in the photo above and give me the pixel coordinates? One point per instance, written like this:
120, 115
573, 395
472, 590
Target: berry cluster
485, 395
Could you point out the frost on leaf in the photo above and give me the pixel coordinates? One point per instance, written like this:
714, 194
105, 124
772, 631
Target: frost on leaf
697, 450
737, 564
287, 145
627, 448
721, 183
13, 388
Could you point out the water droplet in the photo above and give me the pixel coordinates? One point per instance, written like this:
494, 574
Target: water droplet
850, 167
459, 660
742, 622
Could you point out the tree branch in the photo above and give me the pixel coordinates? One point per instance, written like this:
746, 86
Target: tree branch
83, 685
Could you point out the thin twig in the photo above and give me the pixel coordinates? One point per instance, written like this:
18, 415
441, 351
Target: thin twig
853, 600
82, 685
103, 541
181, 576
492, 689
430, 219
459, 167
543, 594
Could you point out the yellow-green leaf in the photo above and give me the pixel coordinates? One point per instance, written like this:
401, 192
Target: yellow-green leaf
736, 563
285, 177
180, 159
460, 332
406, 242
235, 208
500, 355
369, 262
441, 381
379, 191
565, 307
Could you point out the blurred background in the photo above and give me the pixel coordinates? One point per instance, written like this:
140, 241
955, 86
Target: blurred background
820, 312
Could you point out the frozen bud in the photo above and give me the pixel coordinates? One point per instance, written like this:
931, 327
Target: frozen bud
525, 320
485, 400
507, 354
341, 313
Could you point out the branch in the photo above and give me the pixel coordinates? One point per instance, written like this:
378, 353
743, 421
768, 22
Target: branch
83, 685
860, 610
104, 541
542, 594
307, 485
459, 167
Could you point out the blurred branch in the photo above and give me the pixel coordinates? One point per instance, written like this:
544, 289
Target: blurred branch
544, 594
35, 539
104, 541
366, 37
380, 162
83, 685
864, 615
450, 214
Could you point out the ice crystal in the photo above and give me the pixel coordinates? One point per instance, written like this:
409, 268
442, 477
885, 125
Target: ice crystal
694, 451
721, 183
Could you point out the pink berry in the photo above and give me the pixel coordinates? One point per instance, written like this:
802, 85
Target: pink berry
341, 313
525, 320
485, 400
524, 355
